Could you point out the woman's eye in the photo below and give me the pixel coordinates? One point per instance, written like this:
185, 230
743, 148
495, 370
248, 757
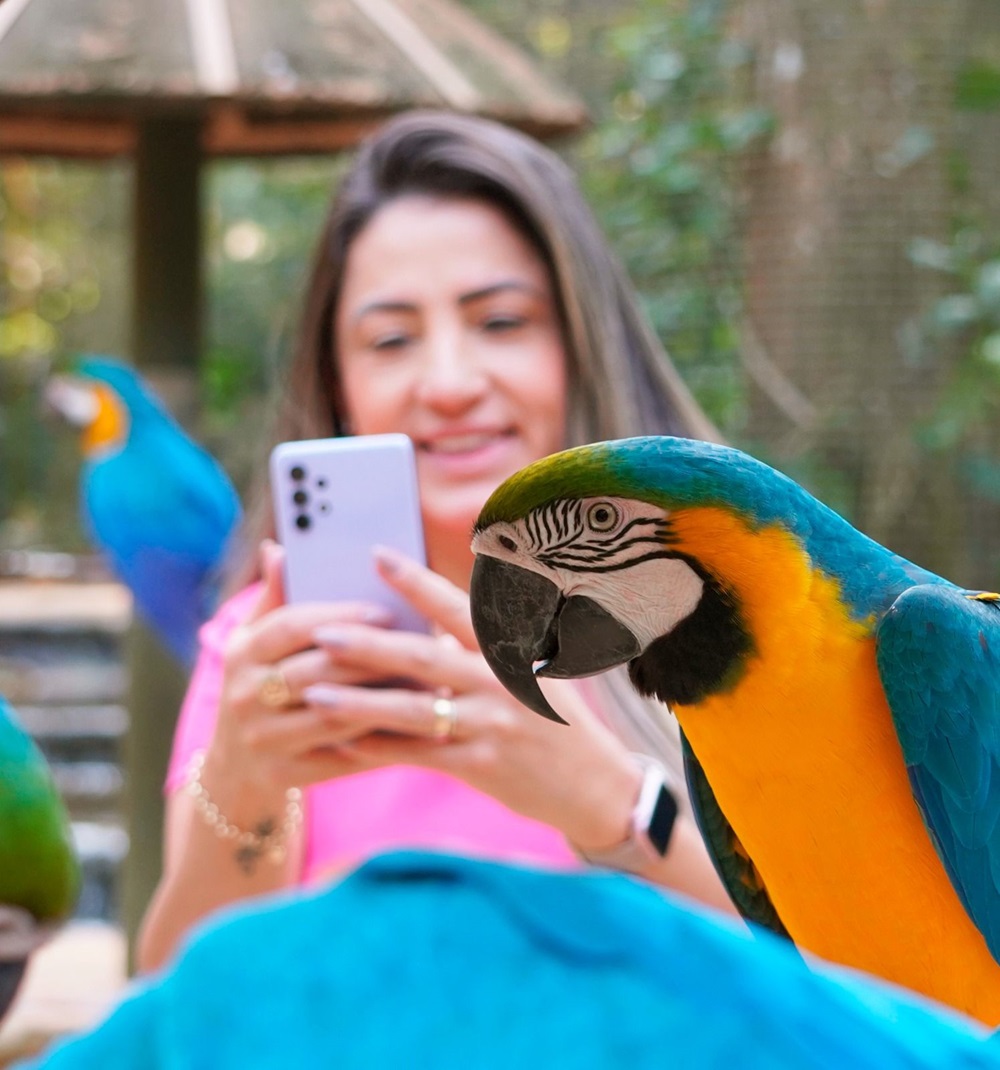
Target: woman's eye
396, 340
498, 323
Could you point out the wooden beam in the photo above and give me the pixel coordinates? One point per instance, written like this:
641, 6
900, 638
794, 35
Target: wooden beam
229, 132
42, 135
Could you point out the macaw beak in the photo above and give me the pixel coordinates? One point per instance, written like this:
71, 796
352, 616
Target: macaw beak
20, 935
528, 628
10, 980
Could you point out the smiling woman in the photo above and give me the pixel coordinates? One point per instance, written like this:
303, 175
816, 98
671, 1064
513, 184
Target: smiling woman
463, 295
461, 350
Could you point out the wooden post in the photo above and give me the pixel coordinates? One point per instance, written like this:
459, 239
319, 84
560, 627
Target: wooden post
166, 339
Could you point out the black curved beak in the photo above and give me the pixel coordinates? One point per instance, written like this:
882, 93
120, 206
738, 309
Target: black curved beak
527, 628
10, 980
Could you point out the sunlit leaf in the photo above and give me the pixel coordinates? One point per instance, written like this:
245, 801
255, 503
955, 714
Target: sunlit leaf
954, 312
746, 126
913, 144
989, 349
987, 284
977, 87
931, 254
982, 474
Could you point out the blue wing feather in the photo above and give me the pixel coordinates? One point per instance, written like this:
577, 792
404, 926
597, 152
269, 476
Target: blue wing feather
732, 862
938, 653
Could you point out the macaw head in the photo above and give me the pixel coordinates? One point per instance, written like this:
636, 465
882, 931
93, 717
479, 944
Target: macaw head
103, 397
666, 554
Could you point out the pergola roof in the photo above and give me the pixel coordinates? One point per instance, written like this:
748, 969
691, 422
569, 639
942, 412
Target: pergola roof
265, 76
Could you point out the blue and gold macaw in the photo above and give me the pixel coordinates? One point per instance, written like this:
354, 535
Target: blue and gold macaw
39, 873
840, 706
160, 507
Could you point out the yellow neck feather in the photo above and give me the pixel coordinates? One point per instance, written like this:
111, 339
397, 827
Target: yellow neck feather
109, 429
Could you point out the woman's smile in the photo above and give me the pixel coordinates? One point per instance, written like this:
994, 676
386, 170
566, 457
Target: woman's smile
466, 452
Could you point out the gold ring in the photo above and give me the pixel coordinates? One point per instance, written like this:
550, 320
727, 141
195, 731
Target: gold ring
274, 690
445, 719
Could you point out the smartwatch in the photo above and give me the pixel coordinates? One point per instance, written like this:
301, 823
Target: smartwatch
650, 826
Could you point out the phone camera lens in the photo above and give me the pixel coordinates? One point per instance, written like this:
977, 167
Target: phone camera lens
298, 472
300, 497
302, 521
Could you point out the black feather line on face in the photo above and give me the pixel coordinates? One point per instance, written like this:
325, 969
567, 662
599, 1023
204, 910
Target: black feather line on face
581, 565
702, 655
583, 551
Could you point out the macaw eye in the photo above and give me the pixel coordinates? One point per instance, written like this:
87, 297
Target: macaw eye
602, 516
507, 542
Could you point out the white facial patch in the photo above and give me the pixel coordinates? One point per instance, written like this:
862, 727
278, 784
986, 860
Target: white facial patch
612, 550
650, 598
73, 399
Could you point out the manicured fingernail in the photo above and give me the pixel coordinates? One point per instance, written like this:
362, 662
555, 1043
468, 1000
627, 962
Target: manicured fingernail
269, 551
388, 560
331, 638
374, 615
322, 695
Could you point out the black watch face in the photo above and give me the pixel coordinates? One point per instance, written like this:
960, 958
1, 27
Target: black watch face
661, 824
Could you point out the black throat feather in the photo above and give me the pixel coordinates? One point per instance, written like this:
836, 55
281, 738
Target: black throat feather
703, 655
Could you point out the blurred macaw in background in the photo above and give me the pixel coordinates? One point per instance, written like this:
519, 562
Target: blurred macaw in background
157, 504
39, 872
840, 706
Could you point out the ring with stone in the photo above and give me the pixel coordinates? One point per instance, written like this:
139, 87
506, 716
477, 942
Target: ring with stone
274, 690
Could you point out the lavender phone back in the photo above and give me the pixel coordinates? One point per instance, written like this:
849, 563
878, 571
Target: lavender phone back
335, 498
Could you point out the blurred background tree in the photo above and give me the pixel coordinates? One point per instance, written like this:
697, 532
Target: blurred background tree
804, 195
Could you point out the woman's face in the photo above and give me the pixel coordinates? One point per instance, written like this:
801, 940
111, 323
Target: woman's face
447, 331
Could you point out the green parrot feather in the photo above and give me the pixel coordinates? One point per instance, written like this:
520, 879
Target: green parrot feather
38, 865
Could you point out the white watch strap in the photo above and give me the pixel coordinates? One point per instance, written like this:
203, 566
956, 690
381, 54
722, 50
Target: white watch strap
656, 801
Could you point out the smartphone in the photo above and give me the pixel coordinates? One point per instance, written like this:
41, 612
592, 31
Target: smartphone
334, 498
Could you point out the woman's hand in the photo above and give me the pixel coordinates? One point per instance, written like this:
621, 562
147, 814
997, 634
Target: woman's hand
267, 739
578, 778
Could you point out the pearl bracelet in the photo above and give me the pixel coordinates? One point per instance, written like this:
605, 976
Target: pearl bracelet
267, 839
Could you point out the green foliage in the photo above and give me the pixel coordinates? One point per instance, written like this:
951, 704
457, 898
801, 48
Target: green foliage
966, 321
978, 86
264, 218
662, 168
63, 287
